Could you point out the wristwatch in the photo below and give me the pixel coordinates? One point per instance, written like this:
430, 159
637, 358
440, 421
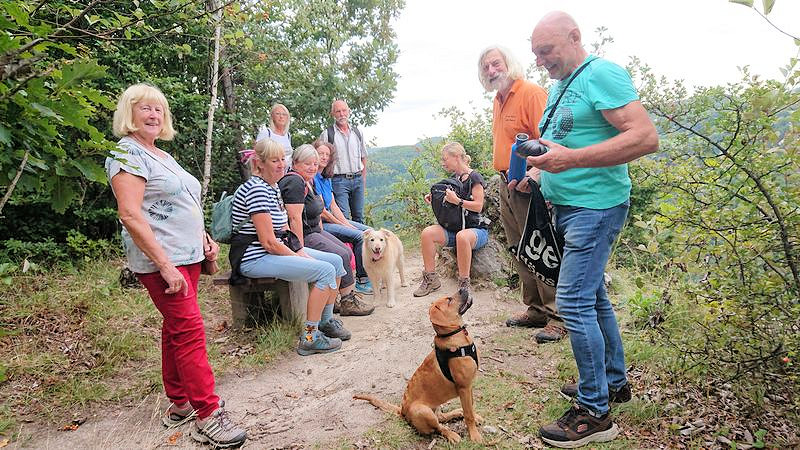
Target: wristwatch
461, 203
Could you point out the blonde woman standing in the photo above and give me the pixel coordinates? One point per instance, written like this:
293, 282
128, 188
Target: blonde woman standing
165, 243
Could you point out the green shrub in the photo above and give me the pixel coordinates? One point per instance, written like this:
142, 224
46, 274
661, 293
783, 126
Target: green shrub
726, 213
77, 248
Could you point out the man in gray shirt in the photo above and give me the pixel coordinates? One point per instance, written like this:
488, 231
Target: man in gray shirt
350, 165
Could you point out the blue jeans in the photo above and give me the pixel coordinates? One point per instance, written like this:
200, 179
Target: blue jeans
583, 303
353, 236
482, 235
349, 195
322, 270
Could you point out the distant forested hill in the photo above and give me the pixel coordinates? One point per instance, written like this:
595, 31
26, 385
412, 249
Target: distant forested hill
388, 165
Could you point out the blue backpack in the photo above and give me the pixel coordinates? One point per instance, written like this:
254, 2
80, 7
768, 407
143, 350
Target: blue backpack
222, 229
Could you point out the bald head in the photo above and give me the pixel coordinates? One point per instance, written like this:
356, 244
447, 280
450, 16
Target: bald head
557, 22
556, 42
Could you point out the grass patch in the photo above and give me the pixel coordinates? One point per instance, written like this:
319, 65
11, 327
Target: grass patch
74, 339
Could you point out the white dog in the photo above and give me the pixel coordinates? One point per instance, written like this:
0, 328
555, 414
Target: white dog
382, 254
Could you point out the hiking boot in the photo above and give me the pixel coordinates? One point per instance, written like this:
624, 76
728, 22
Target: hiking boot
550, 333
337, 304
464, 283
430, 282
352, 305
218, 430
577, 427
570, 390
309, 344
521, 319
175, 417
364, 286
335, 329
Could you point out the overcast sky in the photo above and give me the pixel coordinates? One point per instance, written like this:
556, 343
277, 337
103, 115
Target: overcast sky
700, 41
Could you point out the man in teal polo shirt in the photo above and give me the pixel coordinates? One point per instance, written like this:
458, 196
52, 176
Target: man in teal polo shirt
598, 126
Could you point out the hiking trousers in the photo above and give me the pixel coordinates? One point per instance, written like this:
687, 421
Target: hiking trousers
185, 370
536, 295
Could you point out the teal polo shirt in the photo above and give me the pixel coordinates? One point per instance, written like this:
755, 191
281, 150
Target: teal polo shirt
578, 122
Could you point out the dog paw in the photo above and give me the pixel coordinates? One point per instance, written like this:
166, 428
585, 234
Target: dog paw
390, 304
452, 437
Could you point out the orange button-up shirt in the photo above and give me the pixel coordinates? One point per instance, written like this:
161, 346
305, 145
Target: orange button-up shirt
520, 112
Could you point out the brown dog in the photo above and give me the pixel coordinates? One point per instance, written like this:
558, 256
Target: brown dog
430, 387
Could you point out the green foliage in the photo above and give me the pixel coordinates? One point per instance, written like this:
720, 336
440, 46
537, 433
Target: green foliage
726, 213
474, 132
45, 252
408, 207
64, 63
49, 100
326, 47
78, 248
406, 204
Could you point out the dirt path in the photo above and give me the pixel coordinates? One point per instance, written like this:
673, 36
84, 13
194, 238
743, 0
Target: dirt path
299, 401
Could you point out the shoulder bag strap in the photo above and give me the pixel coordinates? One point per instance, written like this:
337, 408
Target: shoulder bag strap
564, 91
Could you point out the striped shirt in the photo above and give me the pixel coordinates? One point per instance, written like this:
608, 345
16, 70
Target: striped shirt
253, 197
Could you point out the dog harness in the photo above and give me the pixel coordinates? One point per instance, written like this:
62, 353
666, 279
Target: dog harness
443, 356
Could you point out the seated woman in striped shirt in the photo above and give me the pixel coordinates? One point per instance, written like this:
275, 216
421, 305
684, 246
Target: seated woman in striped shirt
258, 203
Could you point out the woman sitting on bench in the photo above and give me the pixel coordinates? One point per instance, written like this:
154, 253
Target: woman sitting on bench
305, 207
333, 220
258, 202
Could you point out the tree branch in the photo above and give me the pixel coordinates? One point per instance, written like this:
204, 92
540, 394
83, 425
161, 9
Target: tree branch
14, 182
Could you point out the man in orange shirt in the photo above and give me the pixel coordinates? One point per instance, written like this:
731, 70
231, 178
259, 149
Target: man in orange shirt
518, 107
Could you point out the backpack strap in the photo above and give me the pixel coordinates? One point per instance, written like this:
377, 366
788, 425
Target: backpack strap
331, 134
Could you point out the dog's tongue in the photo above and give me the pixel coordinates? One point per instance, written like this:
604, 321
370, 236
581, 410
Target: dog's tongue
376, 255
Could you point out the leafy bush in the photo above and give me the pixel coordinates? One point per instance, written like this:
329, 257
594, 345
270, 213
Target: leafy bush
726, 211
77, 248
46, 252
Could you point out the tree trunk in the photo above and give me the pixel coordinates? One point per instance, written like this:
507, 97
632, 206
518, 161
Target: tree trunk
212, 105
229, 98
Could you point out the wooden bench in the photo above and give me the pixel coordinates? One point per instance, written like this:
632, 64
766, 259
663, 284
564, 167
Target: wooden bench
249, 306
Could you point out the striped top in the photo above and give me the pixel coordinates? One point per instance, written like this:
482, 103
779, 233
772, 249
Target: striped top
257, 196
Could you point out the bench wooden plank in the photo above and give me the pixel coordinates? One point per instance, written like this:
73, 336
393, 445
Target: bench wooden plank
247, 299
222, 280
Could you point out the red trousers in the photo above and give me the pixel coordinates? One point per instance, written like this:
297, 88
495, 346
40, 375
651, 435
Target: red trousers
185, 369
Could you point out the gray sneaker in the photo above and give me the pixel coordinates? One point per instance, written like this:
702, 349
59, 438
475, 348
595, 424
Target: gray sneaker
218, 430
334, 328
309, 345
430, 282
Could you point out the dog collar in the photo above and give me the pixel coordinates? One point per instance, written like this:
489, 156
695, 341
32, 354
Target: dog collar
459, 329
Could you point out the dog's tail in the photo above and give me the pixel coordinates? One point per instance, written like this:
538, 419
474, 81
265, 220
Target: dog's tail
384, 405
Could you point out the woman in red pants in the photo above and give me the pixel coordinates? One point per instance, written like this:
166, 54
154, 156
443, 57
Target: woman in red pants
165, 243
